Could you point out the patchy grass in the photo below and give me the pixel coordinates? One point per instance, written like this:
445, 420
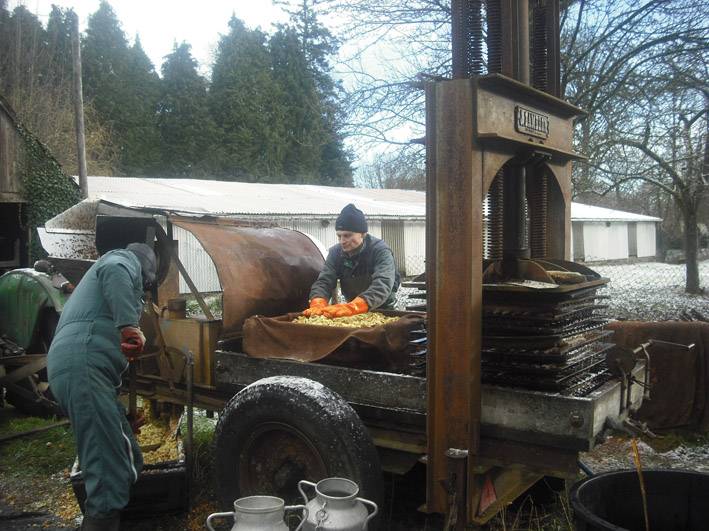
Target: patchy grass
203, 435
29, 466
34, 477
34, 473
34, 469
529, 515
43, 453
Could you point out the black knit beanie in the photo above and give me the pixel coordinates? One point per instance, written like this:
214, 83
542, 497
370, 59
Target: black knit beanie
351, 219
148, 262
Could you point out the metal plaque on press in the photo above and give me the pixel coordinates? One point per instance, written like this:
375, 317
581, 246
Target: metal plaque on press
531, 123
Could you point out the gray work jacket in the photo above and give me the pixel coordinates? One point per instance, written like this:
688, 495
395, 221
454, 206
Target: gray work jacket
369, 273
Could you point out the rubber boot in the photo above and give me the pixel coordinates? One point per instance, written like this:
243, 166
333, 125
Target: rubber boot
108, 523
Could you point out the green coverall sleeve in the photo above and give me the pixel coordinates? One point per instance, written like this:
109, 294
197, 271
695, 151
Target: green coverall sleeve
117, 288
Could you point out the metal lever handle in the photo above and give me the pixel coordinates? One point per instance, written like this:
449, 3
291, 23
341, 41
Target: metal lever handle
372, 515
302, 492
218, 515
304, 518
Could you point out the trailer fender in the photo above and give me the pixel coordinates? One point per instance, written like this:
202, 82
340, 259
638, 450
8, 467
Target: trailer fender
282, 429
30, 304
26, 296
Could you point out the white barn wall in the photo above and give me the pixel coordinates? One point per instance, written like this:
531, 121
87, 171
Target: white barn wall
321, 229
601, 242
415, 245
646, 238
605, 242
324, 229
197, 262
374, 226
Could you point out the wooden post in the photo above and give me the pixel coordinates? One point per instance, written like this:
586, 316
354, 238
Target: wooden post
454, 285
79, 109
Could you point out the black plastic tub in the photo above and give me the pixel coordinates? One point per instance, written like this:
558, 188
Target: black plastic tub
676, 499
161, 489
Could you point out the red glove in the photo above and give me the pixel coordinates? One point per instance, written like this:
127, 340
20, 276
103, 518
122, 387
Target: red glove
132, 342
136, 423
356, 306
316, 306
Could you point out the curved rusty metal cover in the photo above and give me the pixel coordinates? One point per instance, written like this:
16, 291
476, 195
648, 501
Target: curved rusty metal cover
263, 271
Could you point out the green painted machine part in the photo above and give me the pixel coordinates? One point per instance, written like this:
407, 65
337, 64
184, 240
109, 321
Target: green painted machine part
26, 296
30, 304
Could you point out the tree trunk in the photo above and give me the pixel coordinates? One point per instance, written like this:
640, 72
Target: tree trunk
691, 247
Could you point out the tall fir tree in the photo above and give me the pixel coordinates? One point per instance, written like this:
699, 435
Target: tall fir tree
24, 51
186, 128
316, 42
142, 139
303, 124
59, 31
247, 106
122, 84
104, 57
317, 45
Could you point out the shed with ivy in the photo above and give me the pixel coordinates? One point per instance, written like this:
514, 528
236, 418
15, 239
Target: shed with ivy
33, 189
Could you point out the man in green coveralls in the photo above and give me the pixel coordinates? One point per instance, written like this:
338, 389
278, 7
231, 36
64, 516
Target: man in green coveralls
97, 336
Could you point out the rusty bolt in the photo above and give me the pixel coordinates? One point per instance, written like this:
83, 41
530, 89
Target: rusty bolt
575, 419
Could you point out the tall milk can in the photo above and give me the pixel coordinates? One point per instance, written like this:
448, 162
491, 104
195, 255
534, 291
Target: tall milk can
259, 513
336, 506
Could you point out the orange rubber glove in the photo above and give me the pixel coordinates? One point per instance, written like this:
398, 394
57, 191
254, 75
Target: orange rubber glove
356, 306
132, 342
316, 306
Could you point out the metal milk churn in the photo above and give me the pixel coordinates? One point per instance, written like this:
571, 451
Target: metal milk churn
336, 506
259, 513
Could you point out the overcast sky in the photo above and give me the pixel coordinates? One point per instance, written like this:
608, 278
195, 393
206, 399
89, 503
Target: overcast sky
162, 22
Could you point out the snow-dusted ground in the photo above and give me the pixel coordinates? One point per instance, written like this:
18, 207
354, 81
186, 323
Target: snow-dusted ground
645, 291
652, 291
615, 453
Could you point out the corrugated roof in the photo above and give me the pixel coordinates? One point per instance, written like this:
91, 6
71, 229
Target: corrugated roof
236, 198
193, 196
580, 212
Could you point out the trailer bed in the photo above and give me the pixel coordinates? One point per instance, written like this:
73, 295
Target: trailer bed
546, 430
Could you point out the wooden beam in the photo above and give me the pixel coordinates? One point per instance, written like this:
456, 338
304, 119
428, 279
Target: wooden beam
454, 277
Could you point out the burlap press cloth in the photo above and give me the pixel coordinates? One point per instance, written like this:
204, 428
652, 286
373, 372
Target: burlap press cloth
680, 378
378, 347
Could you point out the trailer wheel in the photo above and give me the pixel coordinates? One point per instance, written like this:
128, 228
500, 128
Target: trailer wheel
282, 429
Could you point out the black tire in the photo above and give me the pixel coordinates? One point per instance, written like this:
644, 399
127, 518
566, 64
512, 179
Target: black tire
282, 429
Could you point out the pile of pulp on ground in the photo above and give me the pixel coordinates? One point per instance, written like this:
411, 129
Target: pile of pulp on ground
158, 442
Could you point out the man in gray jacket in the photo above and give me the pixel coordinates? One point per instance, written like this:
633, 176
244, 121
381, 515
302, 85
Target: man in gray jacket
364, 266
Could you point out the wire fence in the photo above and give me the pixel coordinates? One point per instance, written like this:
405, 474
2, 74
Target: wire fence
652, 291
648, 291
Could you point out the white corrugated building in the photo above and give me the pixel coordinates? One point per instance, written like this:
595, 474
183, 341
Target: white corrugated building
398, 216
601, 234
